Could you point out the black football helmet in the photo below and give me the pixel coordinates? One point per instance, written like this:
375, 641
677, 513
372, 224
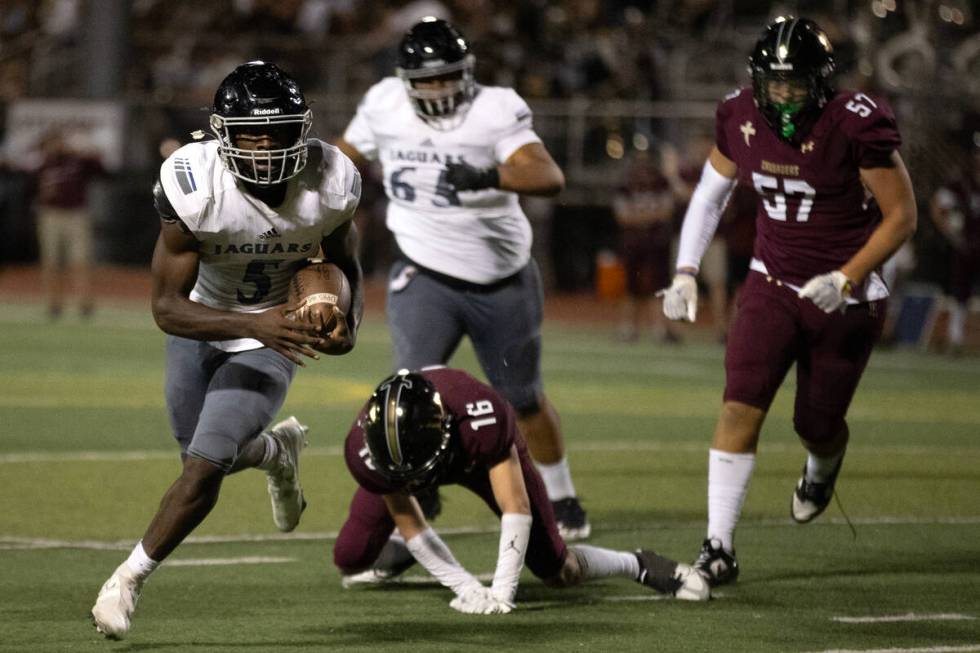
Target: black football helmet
259, 98
435, 50
792, 50
407, 430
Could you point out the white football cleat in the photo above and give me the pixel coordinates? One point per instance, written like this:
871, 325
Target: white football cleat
694, 586
117, 599
369, 577
284, 488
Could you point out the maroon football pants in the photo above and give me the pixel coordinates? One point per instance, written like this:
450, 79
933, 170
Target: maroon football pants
774, 328
369, 525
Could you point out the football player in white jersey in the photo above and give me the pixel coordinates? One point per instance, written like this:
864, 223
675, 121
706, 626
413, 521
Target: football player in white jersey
455, 156
239, 215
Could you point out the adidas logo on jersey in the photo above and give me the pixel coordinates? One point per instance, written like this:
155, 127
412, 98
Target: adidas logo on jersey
271, 233
427, 143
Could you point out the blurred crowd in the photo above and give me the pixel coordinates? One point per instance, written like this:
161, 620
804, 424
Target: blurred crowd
629, 167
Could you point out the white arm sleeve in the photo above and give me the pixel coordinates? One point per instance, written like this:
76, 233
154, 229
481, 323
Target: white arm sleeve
515, 531
702, 216
433, 554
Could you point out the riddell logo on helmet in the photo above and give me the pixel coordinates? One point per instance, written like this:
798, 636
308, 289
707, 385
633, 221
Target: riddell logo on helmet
265, 112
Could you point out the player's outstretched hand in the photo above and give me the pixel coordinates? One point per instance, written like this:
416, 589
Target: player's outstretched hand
681, 298
463, 176
479, 600
277, 330
341, 339
828, 291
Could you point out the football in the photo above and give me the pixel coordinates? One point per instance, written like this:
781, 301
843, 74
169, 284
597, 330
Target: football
319, 286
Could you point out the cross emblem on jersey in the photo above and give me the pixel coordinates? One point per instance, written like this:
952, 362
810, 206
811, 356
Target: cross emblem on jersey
806, 147
747, 130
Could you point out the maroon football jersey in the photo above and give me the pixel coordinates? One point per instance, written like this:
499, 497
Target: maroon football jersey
813, 211
484, 428
63, 180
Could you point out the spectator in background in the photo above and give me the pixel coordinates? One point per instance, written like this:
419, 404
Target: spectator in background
955, 210
64, 223
644, 210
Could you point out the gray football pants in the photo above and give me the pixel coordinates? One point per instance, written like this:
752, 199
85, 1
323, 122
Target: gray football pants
428, 318
218, 401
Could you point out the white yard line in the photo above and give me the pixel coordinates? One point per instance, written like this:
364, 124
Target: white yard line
911, 616
246, 560
612, 445
15, 543
968, 648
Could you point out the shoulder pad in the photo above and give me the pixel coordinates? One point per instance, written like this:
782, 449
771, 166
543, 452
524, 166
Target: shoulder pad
186, 178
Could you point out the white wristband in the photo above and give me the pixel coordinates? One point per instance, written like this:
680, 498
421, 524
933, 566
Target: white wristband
702, 216
433, 554
515, 531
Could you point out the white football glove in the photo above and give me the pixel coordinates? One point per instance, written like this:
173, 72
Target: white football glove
681, 299
828, 291
478, 599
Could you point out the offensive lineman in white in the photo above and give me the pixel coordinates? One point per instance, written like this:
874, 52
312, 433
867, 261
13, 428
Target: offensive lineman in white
239, 215
455, 157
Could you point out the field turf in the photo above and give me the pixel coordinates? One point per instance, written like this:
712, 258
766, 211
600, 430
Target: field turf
85, 454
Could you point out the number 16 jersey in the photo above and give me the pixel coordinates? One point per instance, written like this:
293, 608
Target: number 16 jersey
480, 236
813, 212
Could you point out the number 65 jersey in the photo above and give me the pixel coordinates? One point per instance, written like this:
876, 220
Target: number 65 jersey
248, 250
813, 210
480, 236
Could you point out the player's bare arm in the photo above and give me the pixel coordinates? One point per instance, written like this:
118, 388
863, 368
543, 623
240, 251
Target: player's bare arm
340, 248
174, 271
507, 482
892, 189
531, 171
406, 513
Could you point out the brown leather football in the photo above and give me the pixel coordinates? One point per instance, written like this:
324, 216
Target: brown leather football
319, 286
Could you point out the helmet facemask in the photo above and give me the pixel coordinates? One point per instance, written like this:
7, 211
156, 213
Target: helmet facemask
442, 107
788, 102
264, 167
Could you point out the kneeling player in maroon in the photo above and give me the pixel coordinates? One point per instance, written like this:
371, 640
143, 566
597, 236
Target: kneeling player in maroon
814, 296
441, 426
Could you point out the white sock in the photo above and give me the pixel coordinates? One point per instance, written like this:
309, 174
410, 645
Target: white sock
271, 456
957, 324
603, 563
140, 563
557, 480
728, 483
819, 468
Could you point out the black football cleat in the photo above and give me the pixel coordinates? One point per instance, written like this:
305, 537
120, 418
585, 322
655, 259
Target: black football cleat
716, 564
671, 577
573, 523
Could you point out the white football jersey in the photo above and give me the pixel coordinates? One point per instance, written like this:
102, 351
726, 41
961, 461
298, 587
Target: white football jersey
249, 251
481, 236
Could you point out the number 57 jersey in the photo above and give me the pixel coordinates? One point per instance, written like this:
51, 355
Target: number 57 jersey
813, 210
480, 236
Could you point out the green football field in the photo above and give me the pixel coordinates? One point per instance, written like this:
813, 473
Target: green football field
86, 453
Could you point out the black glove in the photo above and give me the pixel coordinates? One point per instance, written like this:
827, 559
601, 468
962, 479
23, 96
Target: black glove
463, 176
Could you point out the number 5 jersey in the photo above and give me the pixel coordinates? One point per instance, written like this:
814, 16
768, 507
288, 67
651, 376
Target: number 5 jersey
813, 210
481, 236
248, 250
